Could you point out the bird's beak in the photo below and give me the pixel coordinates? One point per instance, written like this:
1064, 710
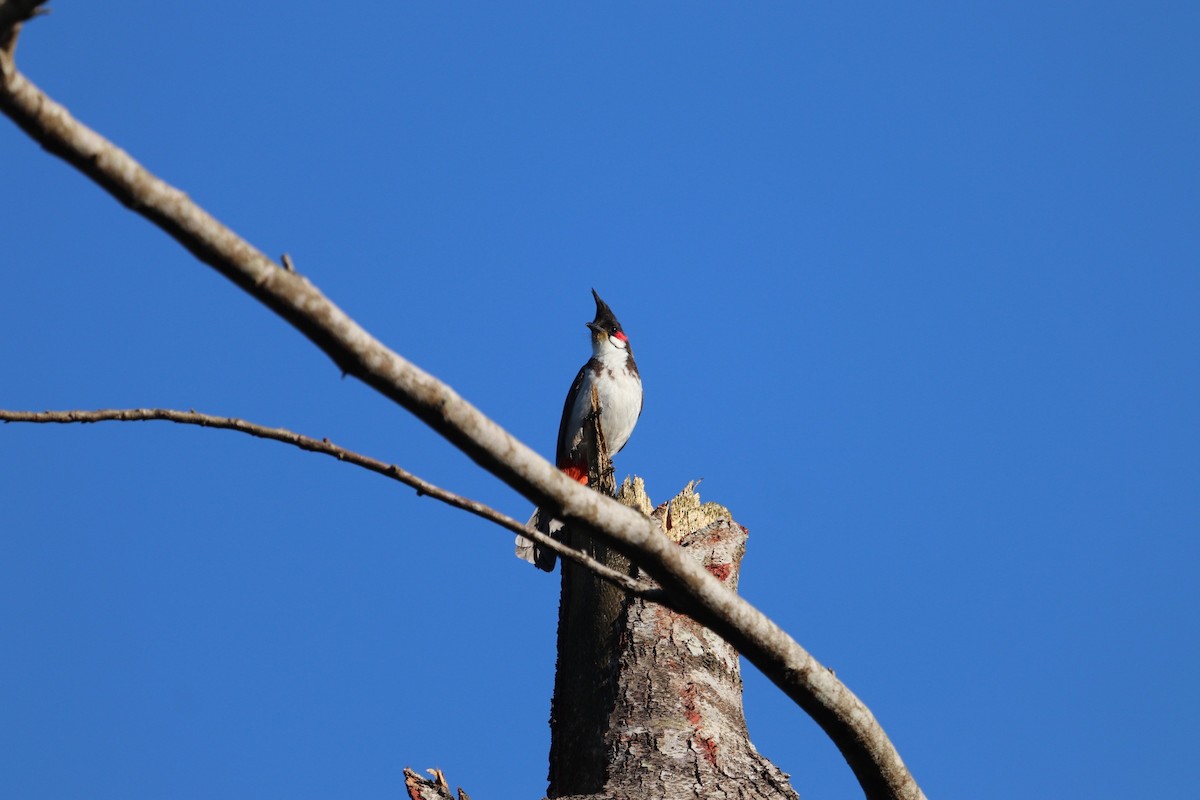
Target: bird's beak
595, 328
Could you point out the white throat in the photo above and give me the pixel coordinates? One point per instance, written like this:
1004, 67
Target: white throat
610, 351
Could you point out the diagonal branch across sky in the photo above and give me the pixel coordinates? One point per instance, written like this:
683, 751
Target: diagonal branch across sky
844, 718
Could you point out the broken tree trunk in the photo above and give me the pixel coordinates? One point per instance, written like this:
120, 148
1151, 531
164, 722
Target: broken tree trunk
647, 702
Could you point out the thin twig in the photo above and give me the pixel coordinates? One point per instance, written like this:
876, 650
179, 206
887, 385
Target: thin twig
325, 447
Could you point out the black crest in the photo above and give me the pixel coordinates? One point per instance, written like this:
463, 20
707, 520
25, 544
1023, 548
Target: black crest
605, 318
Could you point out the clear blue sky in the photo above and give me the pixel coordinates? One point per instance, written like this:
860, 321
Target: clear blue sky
915, 290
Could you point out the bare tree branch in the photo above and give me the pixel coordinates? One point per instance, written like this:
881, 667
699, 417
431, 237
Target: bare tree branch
845, 719
326, 447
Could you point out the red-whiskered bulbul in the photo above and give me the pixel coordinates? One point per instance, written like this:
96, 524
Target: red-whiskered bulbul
612, 371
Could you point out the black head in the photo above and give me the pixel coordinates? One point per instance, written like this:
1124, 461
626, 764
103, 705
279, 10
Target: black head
606, 321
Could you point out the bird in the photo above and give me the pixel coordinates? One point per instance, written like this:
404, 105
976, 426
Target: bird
613, 373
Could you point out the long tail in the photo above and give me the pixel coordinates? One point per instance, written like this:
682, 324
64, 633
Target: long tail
527, 549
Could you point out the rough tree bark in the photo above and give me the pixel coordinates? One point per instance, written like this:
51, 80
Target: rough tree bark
648, 702
590, 614
674, 725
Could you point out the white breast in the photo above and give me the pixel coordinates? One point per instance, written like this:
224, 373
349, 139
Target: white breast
620, 394
620, 404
